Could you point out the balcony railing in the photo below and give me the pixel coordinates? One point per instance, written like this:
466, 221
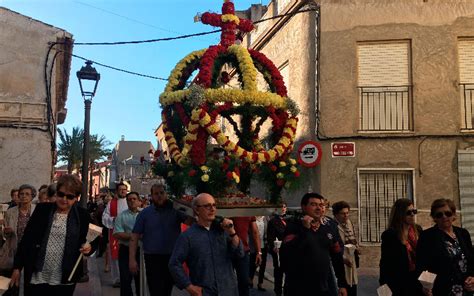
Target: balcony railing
386, 108
467, 94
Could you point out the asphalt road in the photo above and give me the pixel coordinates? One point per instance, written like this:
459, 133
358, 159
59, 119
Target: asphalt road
100, 283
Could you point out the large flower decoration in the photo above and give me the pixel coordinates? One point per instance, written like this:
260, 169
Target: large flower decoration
190, 114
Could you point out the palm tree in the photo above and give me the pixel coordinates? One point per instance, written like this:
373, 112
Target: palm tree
98, 148
97, 151
70, 148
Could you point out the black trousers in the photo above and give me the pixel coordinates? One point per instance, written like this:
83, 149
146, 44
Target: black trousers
158, 276
125, 276
50, 290
352, 291
277, 274
253, 267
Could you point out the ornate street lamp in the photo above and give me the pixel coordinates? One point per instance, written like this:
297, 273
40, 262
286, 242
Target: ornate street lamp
88, 80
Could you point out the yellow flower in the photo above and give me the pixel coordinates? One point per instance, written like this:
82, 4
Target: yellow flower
236, 177
292, 161
226, 18
221, 139
204, 168
282, 164
293, 169
280, 175
170, 174
185, 150
176, 73
205, 177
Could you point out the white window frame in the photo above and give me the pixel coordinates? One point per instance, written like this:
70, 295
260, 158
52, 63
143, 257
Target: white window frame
359, 170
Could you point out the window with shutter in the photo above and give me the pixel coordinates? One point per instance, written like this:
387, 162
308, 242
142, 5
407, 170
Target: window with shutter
378, 190
384, 82
466, 79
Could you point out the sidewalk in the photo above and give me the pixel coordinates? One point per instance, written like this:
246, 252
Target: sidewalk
100, 283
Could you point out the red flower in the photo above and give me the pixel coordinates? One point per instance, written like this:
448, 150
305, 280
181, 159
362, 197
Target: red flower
153, 163
297, 174
229, 175
150, 151
281, 182
192, 173
273, 168
225, 166
157, 153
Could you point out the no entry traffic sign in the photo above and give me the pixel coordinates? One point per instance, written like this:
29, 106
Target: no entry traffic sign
309, 154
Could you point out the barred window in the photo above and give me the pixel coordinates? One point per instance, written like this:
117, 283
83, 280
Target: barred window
466, 188
378, 190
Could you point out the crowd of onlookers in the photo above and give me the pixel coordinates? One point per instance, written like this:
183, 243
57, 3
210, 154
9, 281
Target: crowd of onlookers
45, 234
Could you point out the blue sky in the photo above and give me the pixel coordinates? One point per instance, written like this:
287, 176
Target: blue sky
124, 104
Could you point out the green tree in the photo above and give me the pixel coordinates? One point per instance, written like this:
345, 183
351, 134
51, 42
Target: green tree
70, 148
98, 148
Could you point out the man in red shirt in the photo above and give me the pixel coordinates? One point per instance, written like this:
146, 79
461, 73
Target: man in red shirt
242, 225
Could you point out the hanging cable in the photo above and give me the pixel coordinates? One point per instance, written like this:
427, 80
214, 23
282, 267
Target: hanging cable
189, 35
121, 70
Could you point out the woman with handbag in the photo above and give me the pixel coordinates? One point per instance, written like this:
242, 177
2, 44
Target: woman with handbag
16, 219
53, 240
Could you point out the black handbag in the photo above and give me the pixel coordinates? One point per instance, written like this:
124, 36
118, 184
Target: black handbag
12, 291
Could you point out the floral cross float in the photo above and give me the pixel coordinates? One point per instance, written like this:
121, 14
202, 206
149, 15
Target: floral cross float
194, 112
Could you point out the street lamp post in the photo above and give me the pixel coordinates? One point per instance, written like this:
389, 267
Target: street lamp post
88, 80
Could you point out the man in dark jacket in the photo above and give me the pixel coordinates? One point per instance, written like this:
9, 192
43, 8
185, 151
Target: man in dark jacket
276, 230
307, 251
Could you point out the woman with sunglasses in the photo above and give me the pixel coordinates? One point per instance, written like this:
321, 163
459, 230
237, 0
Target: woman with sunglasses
446, 250
397, 262
53, 240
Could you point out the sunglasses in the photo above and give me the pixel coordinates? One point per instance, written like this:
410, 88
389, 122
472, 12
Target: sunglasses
68, 196
439, 215
207, 206
412, 212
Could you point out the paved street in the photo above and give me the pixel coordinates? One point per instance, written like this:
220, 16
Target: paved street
100, 282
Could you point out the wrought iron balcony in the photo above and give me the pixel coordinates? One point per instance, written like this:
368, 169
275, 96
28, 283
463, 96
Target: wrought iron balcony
467, 94
386, 108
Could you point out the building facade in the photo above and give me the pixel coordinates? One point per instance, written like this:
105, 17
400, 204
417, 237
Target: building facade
35, 61
387, 88
131, 161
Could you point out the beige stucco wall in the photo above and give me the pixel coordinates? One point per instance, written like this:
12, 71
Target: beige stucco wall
289, 46
433, 27
25, 152
430, 151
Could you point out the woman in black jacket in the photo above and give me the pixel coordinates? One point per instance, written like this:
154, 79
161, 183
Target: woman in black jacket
53, 240
397, 262
446, 251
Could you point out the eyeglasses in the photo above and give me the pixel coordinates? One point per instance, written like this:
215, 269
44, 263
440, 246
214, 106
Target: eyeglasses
207, 206
68, 196
439, 215
412, 212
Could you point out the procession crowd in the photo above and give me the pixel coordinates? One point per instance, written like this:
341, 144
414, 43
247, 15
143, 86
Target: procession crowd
312, 253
